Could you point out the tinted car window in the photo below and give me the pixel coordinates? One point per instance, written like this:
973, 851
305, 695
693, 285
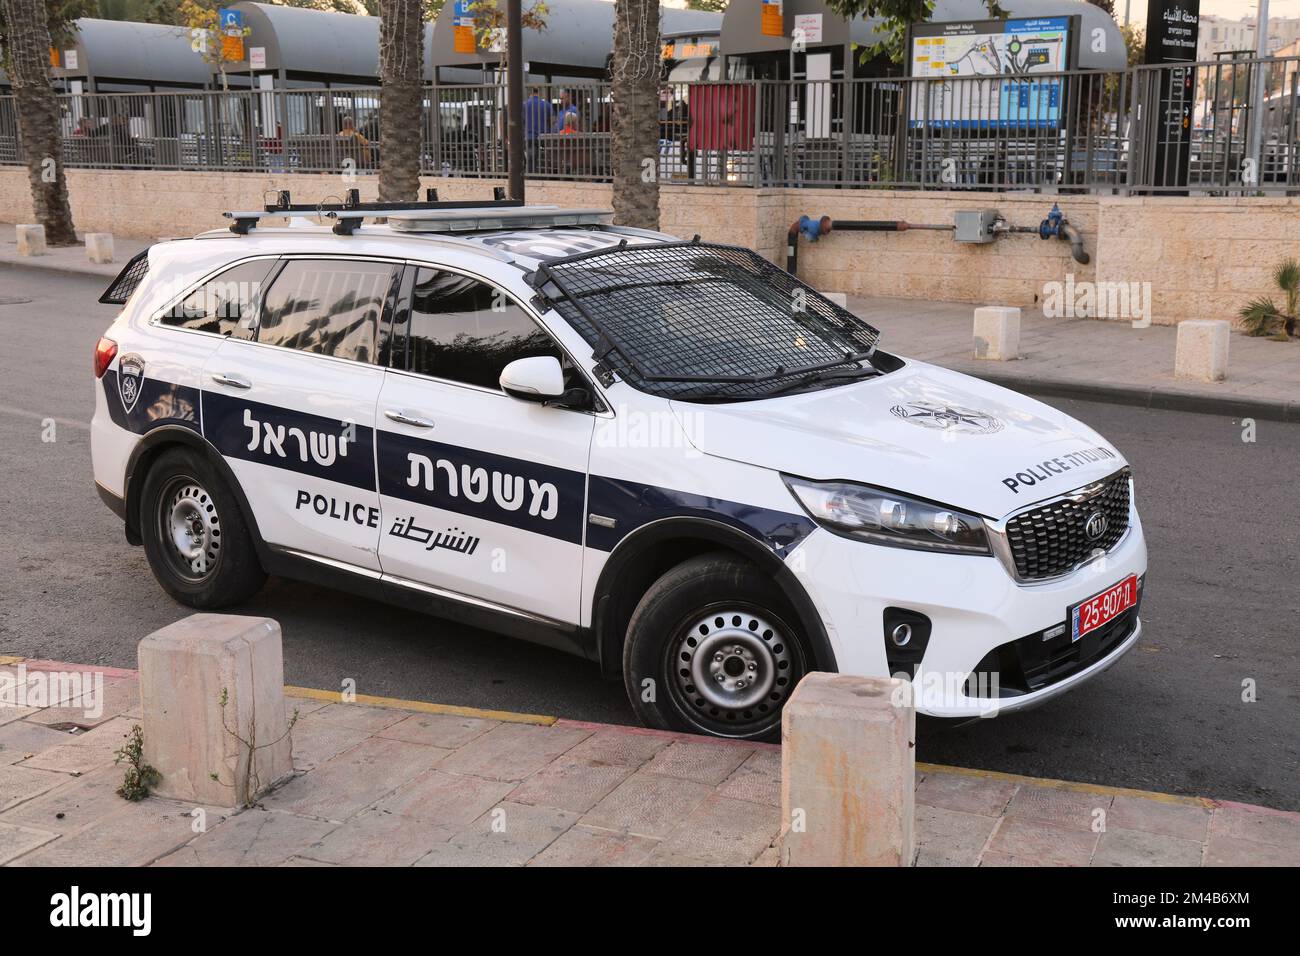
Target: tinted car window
466, 331
327, 306
226, 304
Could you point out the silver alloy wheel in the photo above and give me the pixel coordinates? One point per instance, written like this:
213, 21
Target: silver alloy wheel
733, 665
191, 528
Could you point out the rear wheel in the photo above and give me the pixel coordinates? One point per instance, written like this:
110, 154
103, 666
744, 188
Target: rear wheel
194, 533
711, 649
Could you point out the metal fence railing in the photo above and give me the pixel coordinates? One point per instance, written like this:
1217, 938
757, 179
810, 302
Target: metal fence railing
1169, 128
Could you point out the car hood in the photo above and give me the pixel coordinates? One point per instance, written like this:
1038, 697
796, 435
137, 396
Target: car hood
921, 430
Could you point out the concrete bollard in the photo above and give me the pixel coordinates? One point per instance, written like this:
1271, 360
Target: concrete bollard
997, 333
186, 669
31, 239
839, 298
1201, 352
99, 246
848, 771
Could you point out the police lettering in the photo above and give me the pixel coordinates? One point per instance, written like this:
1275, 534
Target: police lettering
326, 507
1056, 466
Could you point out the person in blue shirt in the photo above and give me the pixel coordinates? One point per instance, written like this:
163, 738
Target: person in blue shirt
566, 109
537, 120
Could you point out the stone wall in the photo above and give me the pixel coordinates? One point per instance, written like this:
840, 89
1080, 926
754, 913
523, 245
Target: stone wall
1203, 257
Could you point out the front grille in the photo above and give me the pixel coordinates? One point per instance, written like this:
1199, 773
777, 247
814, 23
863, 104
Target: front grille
1031, 663
1051, 539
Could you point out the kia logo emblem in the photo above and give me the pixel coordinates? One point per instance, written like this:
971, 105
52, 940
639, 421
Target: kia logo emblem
1095, 526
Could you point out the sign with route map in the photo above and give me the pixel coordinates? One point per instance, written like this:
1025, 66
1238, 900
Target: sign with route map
985, 73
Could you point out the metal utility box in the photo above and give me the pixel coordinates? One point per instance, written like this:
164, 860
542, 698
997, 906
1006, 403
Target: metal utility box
975, 225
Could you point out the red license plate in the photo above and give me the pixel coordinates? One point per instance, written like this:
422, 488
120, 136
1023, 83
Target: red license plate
1104, 607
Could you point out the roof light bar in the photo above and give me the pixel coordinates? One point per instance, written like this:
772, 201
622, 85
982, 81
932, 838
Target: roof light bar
485, 220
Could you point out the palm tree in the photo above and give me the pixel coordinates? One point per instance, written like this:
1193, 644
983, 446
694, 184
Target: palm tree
635, 149
401, 79
27, 42
1261, 314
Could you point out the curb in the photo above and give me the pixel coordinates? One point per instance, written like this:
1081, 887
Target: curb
1152, 398
62, 268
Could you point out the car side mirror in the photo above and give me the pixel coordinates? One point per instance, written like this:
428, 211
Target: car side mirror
536, 379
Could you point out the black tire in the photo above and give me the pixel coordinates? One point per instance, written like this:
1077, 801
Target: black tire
720, 647
183, 488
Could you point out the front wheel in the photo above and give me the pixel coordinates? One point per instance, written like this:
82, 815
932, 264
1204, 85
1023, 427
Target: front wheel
194, 533
711, 649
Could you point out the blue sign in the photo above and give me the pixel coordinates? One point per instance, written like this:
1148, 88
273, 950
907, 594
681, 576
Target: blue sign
231, 22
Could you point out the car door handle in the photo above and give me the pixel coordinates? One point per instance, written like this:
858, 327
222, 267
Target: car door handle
405, 417
234, 381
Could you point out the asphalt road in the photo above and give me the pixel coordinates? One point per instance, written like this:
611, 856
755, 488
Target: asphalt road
1222, 517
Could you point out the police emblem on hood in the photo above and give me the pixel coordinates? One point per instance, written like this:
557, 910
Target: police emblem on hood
951, 418
130, 379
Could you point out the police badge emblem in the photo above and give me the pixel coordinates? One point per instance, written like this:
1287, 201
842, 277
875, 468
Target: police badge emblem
130, 379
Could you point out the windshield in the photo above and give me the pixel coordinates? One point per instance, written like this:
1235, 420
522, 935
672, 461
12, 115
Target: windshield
708, 322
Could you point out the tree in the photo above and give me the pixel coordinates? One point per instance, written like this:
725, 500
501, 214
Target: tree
204, 22
896, 16
708, 6
401, 81
635, 148
27, 45
1261, 315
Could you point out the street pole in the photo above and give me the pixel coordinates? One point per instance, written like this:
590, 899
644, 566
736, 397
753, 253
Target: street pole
1127, 5
515, 95
1257, 94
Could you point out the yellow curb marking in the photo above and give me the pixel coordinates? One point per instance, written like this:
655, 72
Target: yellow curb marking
424, 707
1049, 784
10, 660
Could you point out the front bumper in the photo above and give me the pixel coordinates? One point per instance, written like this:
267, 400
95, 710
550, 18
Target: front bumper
974, 607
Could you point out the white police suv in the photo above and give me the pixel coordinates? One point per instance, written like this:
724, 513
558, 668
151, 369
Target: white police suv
670, 457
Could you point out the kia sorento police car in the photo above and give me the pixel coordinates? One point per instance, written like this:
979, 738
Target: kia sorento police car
670, 457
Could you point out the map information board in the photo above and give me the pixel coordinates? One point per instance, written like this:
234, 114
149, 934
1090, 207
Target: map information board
983, 73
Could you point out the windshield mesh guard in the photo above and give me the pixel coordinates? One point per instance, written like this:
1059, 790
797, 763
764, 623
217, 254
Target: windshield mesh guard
672, 317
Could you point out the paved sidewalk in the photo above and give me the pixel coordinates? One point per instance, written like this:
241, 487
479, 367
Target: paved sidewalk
1076, 358
403, 783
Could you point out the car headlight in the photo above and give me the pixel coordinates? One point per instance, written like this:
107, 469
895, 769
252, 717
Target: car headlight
888, 518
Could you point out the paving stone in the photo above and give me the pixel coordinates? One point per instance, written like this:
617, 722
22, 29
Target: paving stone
15, 840
22, 783
994, 858
445, 799
85, 752
1045, 841
950, 837
378, 838
316, 741
527, 831
1120, 847
513, 751
252, 837
986, 796
1184, 821
1234, 851
724, 831
1257, 824
1065, 808
9, 713
757, 780
626, 748
571, 785
703, 763
448, 731
75, 802
585, 846
648, 804
303, 705
303, 861
136, 834
21, 739
354, 779
358, 716
93, 708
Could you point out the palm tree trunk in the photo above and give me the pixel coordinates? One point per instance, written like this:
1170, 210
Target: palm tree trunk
401, 77
635, 152
38, 117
